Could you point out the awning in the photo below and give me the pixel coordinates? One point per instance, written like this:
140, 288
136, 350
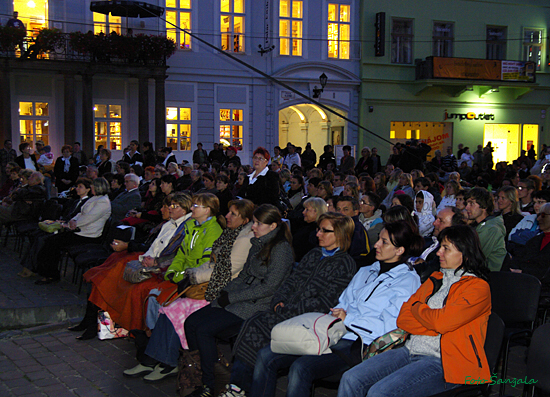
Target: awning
126, 8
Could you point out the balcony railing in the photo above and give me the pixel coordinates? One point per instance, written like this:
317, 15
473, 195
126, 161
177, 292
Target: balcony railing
51, 44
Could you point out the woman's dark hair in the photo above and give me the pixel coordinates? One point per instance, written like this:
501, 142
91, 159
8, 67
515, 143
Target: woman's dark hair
399, 213
300, 180
223, 178
125, 166
405, 200
268, 214
370, 186
86, 182
157, 184
169, 179
466, 241
107, 153
402, 234
138, 169
119, 178
209, 176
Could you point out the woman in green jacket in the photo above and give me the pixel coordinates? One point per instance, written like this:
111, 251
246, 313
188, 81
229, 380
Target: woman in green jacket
201, 231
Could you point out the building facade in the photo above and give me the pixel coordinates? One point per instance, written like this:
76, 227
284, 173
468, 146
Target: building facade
451, 72
201, 95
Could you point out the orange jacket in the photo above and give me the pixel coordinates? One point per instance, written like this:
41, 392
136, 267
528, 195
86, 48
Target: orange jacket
462, 323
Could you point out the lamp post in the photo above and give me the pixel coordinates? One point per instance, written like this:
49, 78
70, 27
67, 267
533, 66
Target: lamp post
323, 81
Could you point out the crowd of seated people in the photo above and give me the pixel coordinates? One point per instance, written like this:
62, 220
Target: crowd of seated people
286, 235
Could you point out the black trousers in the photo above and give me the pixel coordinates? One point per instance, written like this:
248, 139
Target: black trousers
50, 254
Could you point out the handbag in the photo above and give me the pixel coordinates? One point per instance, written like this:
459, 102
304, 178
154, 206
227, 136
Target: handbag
307, 334
135, 272
49, 226
107, 329
195, 291
390, 340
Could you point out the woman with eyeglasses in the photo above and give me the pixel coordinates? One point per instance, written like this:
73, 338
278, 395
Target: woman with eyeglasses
124, 300
229, 254
269, 263
447, 321
263, 184
368, 306
314, 286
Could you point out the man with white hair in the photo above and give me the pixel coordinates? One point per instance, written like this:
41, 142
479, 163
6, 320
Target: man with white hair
127, 200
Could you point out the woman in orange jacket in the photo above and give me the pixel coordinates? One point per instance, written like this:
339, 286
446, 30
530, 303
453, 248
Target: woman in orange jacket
447, 319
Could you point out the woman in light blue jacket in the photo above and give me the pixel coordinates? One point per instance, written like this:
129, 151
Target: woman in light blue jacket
368, 306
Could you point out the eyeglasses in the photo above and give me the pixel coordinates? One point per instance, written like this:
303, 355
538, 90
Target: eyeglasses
323, 230
198, 206
543, 214
174, 206
364, 202
259, 158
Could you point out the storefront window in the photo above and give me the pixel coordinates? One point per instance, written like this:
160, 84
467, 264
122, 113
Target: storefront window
290, 27
339, 31
108, 126
401, 40
178, 128
530, 138
437, 134
34, 122
178, 16
504, 139
232, 25
33, 14
231, 127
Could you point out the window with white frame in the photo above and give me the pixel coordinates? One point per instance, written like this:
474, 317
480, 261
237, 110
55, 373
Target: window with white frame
339, 30
290, 27
34, 121
108, 126
402, 40
532, 46
443, 39
232, 25
106, 24
231, 127
178, 16
496, 42
178, 128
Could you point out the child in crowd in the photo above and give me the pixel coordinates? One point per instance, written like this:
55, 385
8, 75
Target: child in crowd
46, 156
424, 210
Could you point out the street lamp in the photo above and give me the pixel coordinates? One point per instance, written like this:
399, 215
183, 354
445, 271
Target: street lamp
317, 91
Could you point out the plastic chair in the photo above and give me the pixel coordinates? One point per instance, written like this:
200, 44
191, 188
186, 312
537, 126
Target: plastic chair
538, 360
515, 298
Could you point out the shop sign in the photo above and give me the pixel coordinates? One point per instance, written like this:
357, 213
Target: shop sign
466, 68
518, 71
380, 34
468, 116
438, 140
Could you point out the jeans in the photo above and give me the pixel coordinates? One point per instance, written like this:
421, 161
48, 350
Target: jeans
241, 375
395, 373
201, 329
303, 370
164, 343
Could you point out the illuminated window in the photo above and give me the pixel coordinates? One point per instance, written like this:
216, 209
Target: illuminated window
401, 40
290, 27
443, 38
34, 121
231, 127
339, 30
106, 24
232, 25
496, 42
108, 126
178, 16
532, 46
178, 128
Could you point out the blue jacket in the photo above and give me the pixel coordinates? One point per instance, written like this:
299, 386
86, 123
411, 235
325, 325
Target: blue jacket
372, 301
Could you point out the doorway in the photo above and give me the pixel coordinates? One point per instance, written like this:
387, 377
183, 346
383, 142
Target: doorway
504, 139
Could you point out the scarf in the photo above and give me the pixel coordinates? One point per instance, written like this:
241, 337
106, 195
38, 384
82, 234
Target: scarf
67, 165
221, 275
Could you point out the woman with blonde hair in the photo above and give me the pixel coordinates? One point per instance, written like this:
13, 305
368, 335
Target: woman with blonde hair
509, 207
451, 189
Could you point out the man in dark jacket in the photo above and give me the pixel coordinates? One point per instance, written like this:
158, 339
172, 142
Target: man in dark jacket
216, 155
359, 247
326, 158
413, 156
200, 156
25, 201
126, 201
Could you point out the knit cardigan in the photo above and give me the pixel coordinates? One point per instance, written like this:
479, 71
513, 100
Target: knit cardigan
314, 286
